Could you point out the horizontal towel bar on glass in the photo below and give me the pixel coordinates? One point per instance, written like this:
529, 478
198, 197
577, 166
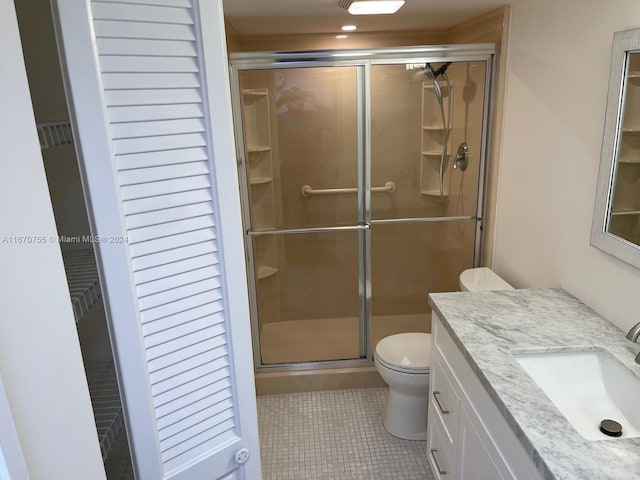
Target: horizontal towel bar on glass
307, 191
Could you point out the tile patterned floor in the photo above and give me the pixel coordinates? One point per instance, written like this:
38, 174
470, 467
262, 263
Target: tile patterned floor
334, 435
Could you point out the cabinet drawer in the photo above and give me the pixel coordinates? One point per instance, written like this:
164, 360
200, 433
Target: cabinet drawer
440, 452
443, 401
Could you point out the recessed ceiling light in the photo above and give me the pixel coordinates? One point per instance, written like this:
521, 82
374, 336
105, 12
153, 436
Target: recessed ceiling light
349, 28
342, 36
372, 7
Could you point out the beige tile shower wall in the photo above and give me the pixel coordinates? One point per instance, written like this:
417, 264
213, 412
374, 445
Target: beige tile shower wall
317, 147
491, 27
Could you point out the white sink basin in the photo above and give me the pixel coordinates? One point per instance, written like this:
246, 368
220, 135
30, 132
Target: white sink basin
587, 386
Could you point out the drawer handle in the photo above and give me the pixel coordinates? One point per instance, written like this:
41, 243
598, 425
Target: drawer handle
442, 410
435, 460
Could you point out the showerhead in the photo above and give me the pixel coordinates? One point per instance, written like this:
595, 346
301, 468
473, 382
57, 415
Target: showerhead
429, 72
432, 74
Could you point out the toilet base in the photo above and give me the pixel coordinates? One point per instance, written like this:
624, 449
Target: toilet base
405, 416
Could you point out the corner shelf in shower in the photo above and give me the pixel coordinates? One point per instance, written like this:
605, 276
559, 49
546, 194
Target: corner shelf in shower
257, 128
260, 180
258, 149
431, 142
265, 272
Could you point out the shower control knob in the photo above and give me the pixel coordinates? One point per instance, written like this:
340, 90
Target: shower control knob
462, 157
242, 456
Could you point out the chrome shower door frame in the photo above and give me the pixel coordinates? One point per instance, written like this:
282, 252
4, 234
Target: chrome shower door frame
363, 60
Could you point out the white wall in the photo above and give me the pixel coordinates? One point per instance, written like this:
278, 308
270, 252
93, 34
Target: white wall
558, 71
40, 360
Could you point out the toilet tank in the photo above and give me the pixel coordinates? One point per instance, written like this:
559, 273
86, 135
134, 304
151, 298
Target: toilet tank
482, 278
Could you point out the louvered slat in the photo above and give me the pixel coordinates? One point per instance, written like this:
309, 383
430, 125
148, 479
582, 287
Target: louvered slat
165, 323
205, 405
184, 225
154, 112
160, 31
158, 245
126, 81
164, 172
153, 204
179, 306
175, 281
186, 365
173, 255
147, 219
195, 335
172, 434
163, 187
168, 297
140, 64
165, 336
193, 380
143, 13
162, 3
150, 129
159, 96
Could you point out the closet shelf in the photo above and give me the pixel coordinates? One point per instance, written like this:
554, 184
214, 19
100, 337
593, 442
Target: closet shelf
82, 278
107, 408
631, 131
54, 134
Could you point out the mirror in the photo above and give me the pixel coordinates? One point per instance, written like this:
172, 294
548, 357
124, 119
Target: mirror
616, 217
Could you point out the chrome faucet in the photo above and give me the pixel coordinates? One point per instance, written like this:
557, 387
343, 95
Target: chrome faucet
633, 335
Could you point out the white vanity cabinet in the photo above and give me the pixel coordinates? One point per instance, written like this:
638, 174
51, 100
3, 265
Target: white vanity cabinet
468, 438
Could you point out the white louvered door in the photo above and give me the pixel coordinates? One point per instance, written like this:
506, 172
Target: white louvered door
148, 87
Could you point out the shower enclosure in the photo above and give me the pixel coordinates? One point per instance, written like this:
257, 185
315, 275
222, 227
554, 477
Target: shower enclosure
356, 204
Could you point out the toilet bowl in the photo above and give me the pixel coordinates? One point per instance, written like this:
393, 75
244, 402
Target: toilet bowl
403, 362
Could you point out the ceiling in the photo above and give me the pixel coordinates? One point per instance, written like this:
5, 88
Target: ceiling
281, 17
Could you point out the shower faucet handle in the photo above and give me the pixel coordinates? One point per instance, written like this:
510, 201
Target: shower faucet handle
462, 157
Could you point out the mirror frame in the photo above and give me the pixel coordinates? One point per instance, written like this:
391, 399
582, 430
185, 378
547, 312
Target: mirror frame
625, 42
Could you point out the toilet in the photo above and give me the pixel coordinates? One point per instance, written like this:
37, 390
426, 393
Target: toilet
403, 361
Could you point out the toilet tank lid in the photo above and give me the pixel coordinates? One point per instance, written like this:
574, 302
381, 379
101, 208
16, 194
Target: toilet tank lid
482, 278
408, 350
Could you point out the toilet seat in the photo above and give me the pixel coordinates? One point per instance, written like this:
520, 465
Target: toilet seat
405, 352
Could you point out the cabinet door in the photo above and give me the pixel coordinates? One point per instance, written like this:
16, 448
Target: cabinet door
149, 91
474, 460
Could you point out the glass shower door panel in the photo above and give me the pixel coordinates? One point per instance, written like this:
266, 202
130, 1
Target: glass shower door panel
308, 302
412, 122
301, 146
409, 261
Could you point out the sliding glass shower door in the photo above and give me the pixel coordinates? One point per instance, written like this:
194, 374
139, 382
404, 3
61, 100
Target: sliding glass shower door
425, 234
363, 183
303, 173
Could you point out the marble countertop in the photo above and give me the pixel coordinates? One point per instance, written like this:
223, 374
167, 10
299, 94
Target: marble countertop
488, 326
